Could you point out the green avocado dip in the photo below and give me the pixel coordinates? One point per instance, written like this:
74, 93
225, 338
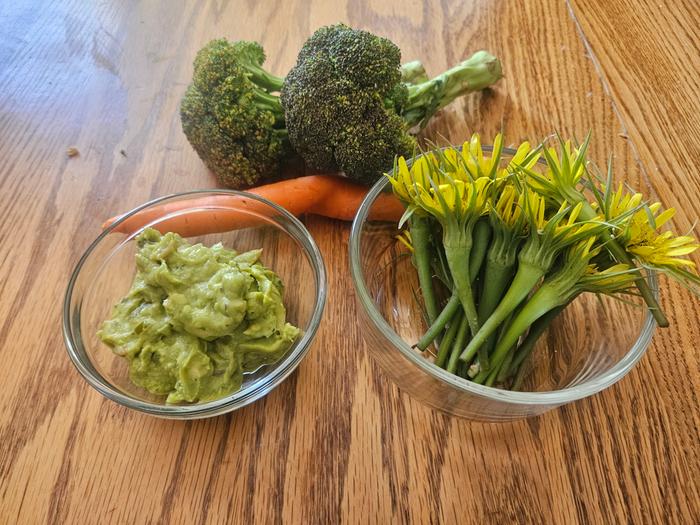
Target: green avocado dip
197, 318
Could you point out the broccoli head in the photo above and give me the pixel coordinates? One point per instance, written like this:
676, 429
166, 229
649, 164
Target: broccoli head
347, 108
339, 102
231, 115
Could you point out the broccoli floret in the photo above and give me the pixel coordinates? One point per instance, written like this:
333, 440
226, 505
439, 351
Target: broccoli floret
346, 107
231, 114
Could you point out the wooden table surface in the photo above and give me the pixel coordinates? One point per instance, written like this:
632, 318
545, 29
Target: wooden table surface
336, 442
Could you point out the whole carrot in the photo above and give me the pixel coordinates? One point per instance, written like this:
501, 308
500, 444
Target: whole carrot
326, 195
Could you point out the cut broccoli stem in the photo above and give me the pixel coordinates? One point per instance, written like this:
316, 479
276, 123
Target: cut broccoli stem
446, 343
448, 312
420, 237
477, 72
413, 73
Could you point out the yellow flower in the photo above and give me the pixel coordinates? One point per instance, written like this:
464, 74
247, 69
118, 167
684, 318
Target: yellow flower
477, 164
400, 180
565, 169
641, 235
460, 200
451, 162
405, 180
620, 203
535, 206
442, 168
665, 250
614, 279
522, 159
563, 227
509, 207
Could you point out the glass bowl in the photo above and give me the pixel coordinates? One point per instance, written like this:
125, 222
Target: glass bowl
590, 346
105, 272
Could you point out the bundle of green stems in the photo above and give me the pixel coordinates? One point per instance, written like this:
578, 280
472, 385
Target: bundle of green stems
502, 245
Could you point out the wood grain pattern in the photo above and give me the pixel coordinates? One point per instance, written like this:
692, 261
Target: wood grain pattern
336, 442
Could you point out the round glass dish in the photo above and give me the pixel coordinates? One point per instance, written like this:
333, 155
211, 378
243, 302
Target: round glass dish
105, 272
590, 346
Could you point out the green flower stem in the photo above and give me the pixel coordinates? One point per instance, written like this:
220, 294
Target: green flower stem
497, 277
497, 371
621, 255
481, 238
452, 313
462, 369
527, 276
482, 235
446, 343
483, 356
527, 346
458, 261
542, 301
450, 309
420, 237
457, 346
504, 372
493, 338
519, 377
496, 280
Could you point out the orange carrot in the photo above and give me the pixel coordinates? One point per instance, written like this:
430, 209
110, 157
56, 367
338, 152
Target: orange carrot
326, 195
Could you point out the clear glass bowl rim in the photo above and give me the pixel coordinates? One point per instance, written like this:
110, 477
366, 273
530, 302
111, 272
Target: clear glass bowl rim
556, 397
238, 399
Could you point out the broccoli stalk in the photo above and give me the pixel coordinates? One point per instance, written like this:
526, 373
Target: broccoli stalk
424, 99
413, 72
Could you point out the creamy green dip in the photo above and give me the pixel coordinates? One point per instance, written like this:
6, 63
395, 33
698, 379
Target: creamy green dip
197, 318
